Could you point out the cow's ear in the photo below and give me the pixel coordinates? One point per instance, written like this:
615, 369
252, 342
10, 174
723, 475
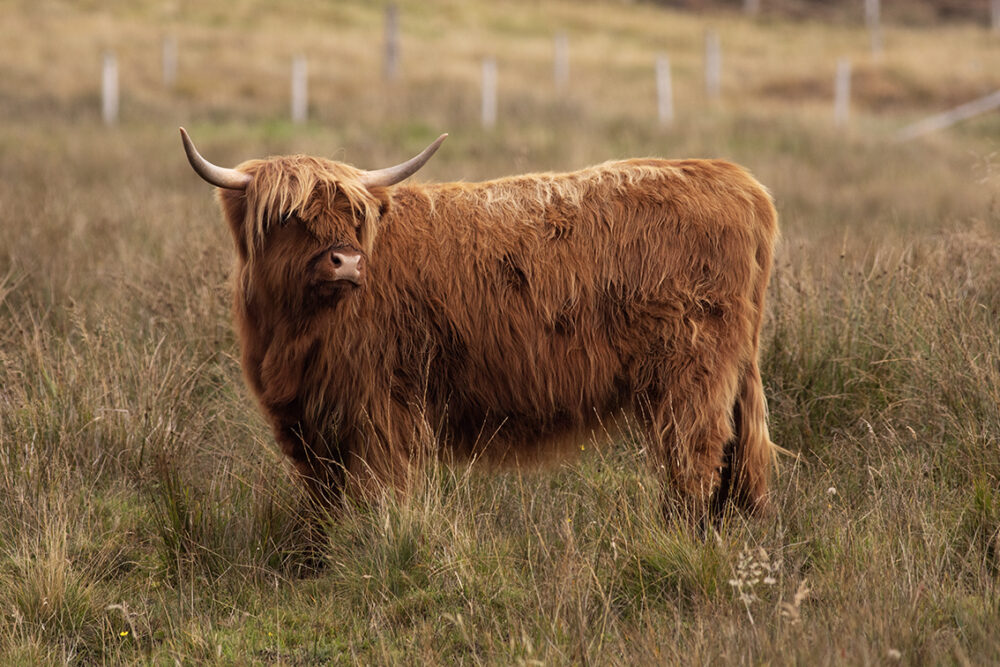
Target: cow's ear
234, 208
382, 195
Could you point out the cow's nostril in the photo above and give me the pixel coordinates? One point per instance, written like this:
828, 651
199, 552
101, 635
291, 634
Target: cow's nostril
336, 260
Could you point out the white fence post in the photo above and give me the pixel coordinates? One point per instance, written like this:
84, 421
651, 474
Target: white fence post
873, 21
169, 61
713, 65
300, 92
390, 63
489, 115
109, 89
664, 91
560, 67
842, 93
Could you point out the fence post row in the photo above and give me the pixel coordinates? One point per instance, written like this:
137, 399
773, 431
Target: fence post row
300, 100
664, 91
109, 89
664, 85
489, 111
842, 93
713, 65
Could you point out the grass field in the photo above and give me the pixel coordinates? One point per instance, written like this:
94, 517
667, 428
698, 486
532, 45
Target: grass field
145, 515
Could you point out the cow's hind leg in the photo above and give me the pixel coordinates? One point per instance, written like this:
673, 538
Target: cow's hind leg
689, 425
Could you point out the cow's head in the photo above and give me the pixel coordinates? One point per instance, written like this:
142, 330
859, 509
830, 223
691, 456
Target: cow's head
304, 227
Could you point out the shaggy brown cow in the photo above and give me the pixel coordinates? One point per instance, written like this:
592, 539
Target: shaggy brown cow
500, 318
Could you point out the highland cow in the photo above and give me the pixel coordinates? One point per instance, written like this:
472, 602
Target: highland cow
381, 323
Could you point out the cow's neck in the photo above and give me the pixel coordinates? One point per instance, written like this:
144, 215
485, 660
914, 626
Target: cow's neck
276, 346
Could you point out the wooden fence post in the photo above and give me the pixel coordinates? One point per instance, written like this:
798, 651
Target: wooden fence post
664, 92
995, 15
300, 91
489, 110
560, 67
713, 65
751, 7
109, 89
873, 18
169, 61
390, 62
842, 93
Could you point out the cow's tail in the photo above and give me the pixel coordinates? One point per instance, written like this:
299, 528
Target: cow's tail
753, 455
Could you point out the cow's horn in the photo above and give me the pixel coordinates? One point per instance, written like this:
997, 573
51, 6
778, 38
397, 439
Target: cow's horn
393, 175
217, 176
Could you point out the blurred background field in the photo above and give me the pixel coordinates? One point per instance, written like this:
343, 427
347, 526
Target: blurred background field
145, 516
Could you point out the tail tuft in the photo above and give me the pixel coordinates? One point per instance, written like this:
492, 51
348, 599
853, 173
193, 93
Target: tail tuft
753, 454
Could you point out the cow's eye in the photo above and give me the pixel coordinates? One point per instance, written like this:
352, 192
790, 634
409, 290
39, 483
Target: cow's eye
317, 257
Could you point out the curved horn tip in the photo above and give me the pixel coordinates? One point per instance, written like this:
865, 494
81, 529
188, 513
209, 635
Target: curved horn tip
230, 179
437, 142
392, 175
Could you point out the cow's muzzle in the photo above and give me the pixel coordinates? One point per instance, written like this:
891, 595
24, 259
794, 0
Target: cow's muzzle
348, 266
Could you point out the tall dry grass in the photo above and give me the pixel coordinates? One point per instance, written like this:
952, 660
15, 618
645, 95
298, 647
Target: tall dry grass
146, 517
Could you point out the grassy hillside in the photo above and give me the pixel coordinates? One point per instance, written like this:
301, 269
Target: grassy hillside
145, 515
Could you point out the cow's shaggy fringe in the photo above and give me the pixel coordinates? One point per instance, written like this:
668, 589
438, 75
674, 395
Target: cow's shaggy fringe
502, 317
301, 186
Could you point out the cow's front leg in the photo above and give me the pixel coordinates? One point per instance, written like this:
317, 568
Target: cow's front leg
393, 444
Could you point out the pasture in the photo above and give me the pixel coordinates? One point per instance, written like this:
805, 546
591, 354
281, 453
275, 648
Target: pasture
146, 515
